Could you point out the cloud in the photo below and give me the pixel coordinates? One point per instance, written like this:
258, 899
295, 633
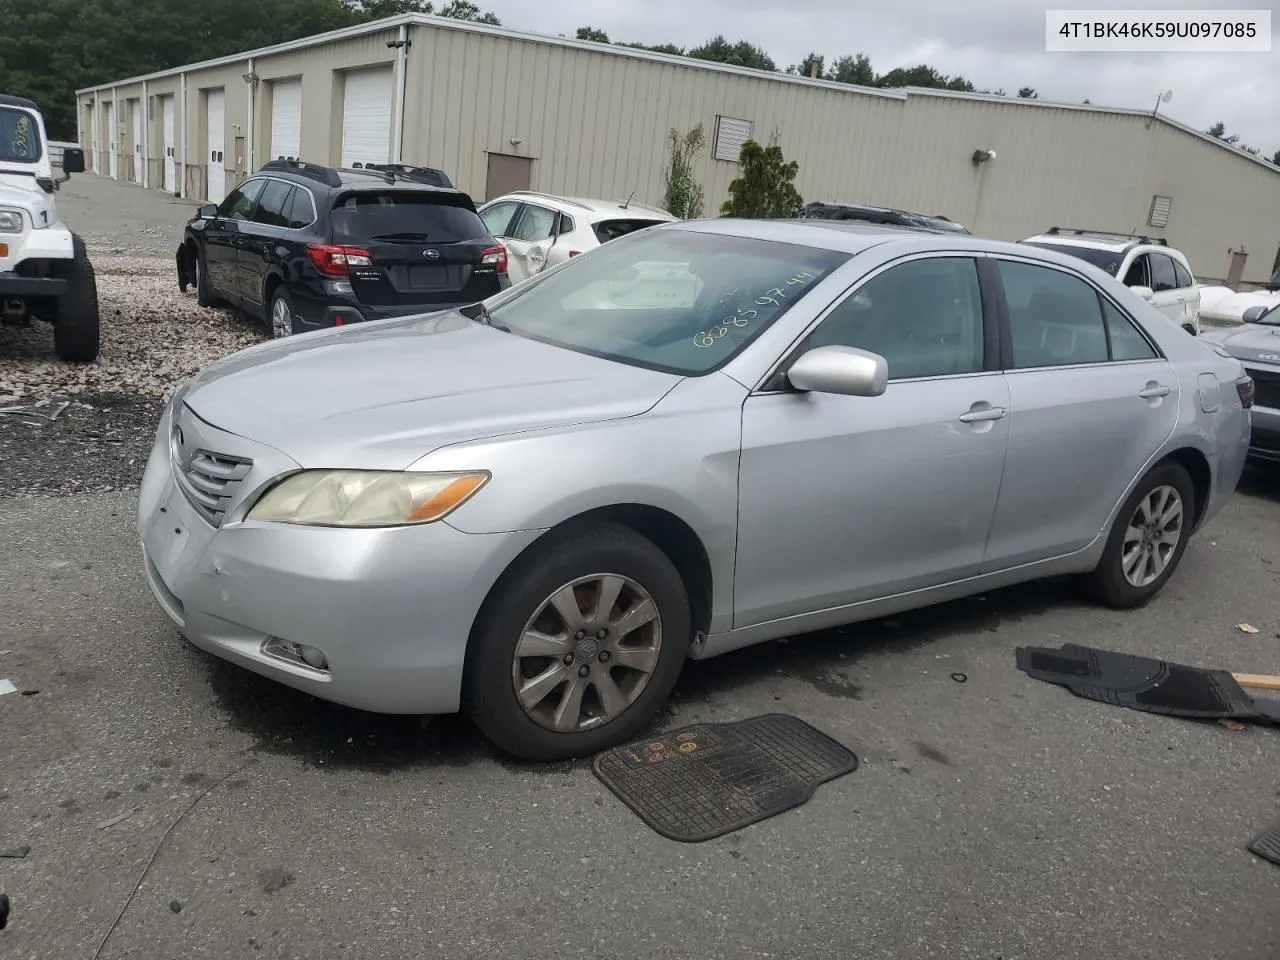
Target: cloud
993, 43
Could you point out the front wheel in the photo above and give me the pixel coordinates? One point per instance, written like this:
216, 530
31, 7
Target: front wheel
580, 646
76, 327
1147, 541
204, 289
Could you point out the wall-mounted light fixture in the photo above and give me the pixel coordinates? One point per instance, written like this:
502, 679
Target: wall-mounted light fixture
982, 156
397, 44
250, 78
515, 141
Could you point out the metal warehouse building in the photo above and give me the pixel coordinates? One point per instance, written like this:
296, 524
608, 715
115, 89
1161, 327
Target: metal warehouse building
501, 109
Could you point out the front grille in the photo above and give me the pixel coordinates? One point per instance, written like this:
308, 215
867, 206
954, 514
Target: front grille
210, 481
1266, 387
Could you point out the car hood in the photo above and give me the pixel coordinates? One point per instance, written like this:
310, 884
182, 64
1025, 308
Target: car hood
23, 192
381, 395
1223, 303
1253, 341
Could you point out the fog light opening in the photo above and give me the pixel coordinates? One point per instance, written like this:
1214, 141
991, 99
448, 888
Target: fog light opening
300, 654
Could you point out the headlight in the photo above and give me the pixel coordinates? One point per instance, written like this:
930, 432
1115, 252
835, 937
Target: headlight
10, 221
1217, 348
366, 498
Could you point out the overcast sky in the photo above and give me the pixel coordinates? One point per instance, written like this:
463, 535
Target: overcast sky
993, 43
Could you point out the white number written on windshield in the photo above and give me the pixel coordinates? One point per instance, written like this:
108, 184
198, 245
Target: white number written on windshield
775, 297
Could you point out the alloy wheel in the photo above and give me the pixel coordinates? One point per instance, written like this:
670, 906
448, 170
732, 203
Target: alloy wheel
587, 653
281, 319
1152, 536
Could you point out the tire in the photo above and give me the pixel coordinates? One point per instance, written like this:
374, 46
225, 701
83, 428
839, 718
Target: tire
523, 595
204, 292
76, 326
279, 331
1108, 583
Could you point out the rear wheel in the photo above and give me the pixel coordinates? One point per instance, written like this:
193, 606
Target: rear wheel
1147, 541
76, 328
580, 646
280, 317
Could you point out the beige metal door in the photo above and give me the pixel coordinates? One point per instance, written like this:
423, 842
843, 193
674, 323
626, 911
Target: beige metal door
507, 173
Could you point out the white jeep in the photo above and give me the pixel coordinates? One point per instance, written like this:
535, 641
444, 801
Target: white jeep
45, 273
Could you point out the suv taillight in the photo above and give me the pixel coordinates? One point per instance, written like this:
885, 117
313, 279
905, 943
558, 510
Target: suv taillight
1244, 387
335, 261
495, 257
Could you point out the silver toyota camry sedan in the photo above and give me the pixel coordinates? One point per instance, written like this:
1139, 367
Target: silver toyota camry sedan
694, 438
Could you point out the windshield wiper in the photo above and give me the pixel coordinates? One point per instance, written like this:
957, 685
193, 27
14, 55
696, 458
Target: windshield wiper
480, 313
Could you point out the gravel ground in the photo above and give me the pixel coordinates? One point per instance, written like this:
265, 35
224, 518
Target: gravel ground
153, 338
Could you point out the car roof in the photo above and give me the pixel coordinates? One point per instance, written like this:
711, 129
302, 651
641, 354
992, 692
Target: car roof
8, 100
1089, 243
593, 207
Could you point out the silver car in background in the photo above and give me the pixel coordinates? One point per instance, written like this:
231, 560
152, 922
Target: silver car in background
1256, 344
698, 437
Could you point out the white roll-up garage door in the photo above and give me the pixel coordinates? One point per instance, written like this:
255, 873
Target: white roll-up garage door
215, 118
136, 123
286, 119
170, 156
366, 117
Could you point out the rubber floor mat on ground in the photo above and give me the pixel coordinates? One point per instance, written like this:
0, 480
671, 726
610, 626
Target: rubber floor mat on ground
1144, 683
710, 779
1267, 845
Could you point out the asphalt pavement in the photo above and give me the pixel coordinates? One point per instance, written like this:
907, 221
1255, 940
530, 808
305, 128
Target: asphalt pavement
997, 817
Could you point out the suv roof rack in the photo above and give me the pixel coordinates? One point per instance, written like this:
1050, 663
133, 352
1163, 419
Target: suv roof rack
1136, 238
415, 174
314, 171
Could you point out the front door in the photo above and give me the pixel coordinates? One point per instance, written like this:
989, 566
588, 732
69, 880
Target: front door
1090, 399
255, 251
223, 237
528, 241
844, 499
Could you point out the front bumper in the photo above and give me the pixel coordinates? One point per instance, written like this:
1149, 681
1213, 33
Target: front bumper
13, 285
390, 609
1264, 444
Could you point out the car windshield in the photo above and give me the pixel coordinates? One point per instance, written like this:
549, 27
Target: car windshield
1108, 260
405, 215
19, 136
667, 299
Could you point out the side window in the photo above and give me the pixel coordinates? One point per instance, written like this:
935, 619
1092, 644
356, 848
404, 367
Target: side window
301, 210
1138, 274
239, 203
273, 203
924, 317
1054, 318
1184, 278
1163, 277
535, 223
566, 224
498, 218
1126, 342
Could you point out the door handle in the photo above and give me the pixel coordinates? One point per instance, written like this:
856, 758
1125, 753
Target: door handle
1153, 390
978, 416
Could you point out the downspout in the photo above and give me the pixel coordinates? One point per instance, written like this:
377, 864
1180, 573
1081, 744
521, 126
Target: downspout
401, 81
252, 80
146, 137
182, 140
114, 133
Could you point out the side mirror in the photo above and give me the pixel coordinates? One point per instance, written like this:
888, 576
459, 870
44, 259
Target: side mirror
843, 370
1254, 314
72, 160
207, 211
1146, 293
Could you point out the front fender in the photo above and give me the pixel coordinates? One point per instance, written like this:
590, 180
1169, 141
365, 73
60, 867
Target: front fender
47, 244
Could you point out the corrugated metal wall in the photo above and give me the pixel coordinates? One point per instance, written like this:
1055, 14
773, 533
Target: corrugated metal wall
594, 122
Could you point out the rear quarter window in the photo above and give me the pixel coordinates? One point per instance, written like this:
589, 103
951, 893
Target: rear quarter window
439, 218
607, 230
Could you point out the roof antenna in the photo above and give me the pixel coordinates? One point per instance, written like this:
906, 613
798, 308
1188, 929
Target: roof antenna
629, 199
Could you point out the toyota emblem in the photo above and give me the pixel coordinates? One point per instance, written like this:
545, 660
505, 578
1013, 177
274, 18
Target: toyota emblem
432, 254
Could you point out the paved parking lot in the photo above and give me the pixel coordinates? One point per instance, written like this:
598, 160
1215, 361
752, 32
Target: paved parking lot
994, 818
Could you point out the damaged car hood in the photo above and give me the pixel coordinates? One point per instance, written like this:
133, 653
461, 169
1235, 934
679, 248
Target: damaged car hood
1254, 341
384, 394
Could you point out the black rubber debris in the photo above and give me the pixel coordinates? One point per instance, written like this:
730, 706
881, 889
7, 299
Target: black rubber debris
1144, 683
707, 780
1267, 845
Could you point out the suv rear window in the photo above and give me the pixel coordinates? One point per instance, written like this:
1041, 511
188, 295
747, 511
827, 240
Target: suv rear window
1107, 260
363, 216
19, 136
607, 230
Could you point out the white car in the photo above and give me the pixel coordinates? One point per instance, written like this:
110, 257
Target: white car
1150, 267
540, 230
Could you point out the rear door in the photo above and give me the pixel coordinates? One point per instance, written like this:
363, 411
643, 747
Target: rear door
429, 249
1164, 283
258, 239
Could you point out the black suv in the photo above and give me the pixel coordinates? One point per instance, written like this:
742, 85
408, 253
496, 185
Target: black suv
888, 215
302, 246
